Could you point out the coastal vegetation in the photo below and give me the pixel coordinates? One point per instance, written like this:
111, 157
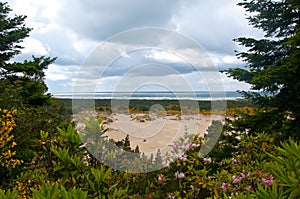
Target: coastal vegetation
42, 154
172, 107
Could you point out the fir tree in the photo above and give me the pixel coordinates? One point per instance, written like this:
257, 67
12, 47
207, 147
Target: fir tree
20, 82
272, 67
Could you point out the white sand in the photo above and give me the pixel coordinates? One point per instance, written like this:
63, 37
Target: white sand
159, 132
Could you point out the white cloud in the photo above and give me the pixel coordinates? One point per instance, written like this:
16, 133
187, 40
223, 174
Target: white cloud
56, 72
54, 77
230, 59
34, 46
84, 46
72, 29
163, 56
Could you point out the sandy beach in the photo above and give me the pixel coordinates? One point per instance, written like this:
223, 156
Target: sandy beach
152, 132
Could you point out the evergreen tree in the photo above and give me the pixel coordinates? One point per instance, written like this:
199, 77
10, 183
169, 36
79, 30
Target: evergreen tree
20, 83
137, 149
126, 145
272, 67
158, 162
22, 86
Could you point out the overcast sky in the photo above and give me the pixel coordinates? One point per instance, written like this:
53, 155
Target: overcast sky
84, 35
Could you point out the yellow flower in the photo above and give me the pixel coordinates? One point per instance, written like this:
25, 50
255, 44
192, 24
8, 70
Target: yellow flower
6, 126
13, 144
14, 111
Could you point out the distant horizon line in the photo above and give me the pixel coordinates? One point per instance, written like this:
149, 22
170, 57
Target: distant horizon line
143, 92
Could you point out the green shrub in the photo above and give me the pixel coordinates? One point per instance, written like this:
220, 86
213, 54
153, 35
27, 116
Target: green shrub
285, 166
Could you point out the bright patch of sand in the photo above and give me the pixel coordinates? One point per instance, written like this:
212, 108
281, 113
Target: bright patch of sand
152, 132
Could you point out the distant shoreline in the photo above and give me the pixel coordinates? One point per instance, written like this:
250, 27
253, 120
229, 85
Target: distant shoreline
172, 106
153, 95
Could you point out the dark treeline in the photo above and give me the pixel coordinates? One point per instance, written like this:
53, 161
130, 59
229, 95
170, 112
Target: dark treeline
143, 105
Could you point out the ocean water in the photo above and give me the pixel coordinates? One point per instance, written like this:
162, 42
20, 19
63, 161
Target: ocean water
153, 95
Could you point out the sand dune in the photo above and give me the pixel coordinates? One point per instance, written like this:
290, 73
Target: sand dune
152, 132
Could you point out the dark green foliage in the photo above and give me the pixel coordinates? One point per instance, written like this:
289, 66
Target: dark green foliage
104, 105
226, 145
31, 120
9, 194
126, 145
25, 82
158, 161
12, 32
285, 165
272, 67
23, 88
20, 83
137, 149
49, 191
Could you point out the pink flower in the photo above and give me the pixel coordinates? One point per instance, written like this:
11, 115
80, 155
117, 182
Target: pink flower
207, 160
235, 161
250, 188
186, 140
194, 145
268, 180
178, 155
179, 175
243, 174
236, 179
174, 145
161, 178
249, 174
224, 186
186, 147
183, 158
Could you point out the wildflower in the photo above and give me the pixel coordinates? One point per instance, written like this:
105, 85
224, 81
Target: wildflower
249, 174
174, 145
236, 179
179, 175
186, 147
178, 155
187, 140
161, 178
183, 158
250, 188
207, 160
224, 186
243, 174
235, 161
268, 180
14, 111
13, 144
